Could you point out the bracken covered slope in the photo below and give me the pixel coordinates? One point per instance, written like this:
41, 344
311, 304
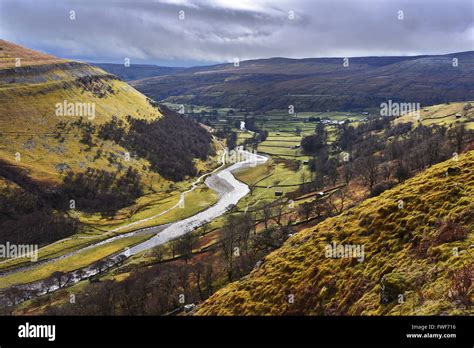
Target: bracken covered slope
418, 242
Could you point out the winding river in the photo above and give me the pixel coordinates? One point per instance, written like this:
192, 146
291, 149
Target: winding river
229, 189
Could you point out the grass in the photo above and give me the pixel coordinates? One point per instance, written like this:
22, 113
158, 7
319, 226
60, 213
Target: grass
265, 179
32, 109
279, 150
10, 52
77, 261
242, 136
28, 122
56, 249
252, 175
442, 114
286, 176
194, 202
274, 121
287, 141
322, 285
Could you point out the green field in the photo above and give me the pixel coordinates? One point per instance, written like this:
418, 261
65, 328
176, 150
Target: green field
285, 131
442, 115
74, 262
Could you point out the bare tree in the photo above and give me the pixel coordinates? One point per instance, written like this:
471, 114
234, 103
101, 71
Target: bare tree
174, 247
198, 271
203, 276
459, 133
386, 171
182, 274
348, 172
401, 171
368, 170
13, 295
270, 239
337, 199
244, 225
185, 246
267, 213
159, 253
81, 274
61, 279
228, 244
101, 266
306, 209
279, 208
322, 208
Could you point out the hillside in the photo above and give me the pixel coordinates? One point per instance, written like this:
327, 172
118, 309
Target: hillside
417, 260
69, 130
11, 55
442, 115
28, 121
318, 84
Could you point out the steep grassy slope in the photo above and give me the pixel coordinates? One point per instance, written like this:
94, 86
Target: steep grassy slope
28, 98
46, 142
418, 256
40, 146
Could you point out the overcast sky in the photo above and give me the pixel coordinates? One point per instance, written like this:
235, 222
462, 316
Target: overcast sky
220, 30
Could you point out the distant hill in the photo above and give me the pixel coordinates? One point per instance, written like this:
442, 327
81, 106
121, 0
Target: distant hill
318, 84
136, 71
418, 243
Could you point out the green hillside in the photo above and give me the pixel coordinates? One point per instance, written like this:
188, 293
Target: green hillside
71, 131
418, 256
29, 124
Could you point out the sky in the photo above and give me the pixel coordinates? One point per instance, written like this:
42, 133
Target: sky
199, 32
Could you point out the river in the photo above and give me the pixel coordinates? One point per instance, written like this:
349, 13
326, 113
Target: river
230, 192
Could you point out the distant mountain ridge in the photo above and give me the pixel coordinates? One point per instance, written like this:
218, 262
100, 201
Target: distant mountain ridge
137, 71
320, 83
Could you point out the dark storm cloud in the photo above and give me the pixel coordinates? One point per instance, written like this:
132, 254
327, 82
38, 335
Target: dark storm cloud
221, 30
